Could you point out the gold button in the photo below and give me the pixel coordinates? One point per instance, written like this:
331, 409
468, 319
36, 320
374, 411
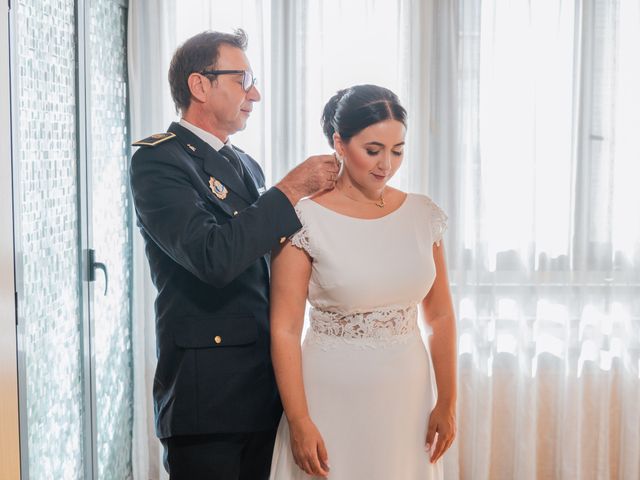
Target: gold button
235, 213
283, 239
218, 339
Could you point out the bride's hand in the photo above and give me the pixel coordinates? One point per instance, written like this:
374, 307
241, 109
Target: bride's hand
443, 422
308, 447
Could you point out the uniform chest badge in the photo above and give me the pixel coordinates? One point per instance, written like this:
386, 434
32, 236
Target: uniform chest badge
218, 189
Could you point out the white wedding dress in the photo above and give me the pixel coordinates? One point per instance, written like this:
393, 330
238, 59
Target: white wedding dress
368, 376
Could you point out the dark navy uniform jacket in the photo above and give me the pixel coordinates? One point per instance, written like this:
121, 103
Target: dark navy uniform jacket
209, 260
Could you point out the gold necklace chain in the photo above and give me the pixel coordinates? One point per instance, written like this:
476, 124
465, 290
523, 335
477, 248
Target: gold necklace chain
380, 203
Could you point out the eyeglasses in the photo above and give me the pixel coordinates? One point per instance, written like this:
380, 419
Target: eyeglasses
248, 80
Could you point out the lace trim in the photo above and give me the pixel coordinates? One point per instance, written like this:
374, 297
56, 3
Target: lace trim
374, 329
438, 221
300, 239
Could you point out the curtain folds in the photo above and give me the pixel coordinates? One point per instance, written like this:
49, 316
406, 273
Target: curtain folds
287, 100
546, 290
151, 41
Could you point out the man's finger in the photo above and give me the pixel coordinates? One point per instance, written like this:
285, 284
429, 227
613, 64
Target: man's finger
333, 168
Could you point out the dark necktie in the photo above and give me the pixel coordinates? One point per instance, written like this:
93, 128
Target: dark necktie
228, 153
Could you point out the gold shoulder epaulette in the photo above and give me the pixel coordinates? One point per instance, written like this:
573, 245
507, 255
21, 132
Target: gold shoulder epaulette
154, 139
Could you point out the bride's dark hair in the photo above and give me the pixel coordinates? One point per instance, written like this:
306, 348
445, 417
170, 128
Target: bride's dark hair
355, 108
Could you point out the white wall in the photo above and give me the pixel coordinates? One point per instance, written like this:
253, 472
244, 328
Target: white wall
9, 430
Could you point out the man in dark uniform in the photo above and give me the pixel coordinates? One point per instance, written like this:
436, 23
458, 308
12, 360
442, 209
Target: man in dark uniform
209, 224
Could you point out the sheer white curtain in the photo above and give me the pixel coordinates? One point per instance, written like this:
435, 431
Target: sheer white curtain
532, 155
151, 39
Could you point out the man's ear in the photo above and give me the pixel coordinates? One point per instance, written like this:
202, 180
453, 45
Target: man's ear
199, 85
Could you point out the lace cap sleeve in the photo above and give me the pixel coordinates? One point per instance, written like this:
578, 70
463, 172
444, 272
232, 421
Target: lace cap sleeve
300, 239
437, 220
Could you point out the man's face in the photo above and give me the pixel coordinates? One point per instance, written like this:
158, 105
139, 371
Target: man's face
227, 105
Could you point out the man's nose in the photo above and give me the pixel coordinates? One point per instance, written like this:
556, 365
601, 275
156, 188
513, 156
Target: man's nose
254, 94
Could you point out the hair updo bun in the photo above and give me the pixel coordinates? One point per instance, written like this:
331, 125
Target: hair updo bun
329, 115
355, 108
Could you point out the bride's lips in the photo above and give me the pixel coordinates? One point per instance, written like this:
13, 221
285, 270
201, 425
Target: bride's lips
379, 177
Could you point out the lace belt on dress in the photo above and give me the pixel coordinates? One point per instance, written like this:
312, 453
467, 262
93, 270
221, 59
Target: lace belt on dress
377, 328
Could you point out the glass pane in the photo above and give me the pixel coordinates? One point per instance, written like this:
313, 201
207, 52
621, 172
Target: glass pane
50, 309
111, 237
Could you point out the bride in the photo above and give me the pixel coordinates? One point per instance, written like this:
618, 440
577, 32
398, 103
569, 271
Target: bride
362, 399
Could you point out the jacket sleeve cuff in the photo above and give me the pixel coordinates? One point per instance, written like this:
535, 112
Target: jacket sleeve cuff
282, 215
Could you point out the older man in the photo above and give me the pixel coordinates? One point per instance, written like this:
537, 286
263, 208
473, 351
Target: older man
209, 224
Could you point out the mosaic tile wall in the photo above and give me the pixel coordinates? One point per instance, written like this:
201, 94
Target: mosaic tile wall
49, 232
50, 310
112, 313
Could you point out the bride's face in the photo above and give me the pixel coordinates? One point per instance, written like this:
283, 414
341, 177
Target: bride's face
372, 156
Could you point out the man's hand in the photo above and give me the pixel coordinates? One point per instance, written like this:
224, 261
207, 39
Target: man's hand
315, 174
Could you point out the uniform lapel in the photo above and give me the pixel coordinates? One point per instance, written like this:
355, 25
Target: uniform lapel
251, 182
213, 163
219, 167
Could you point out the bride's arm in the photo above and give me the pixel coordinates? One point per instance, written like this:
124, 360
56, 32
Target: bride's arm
438, 313
290, 273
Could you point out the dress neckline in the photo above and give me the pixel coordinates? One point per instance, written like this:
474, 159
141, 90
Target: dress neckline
400, 207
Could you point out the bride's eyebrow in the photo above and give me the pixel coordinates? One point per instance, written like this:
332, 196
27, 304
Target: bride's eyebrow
378, 144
